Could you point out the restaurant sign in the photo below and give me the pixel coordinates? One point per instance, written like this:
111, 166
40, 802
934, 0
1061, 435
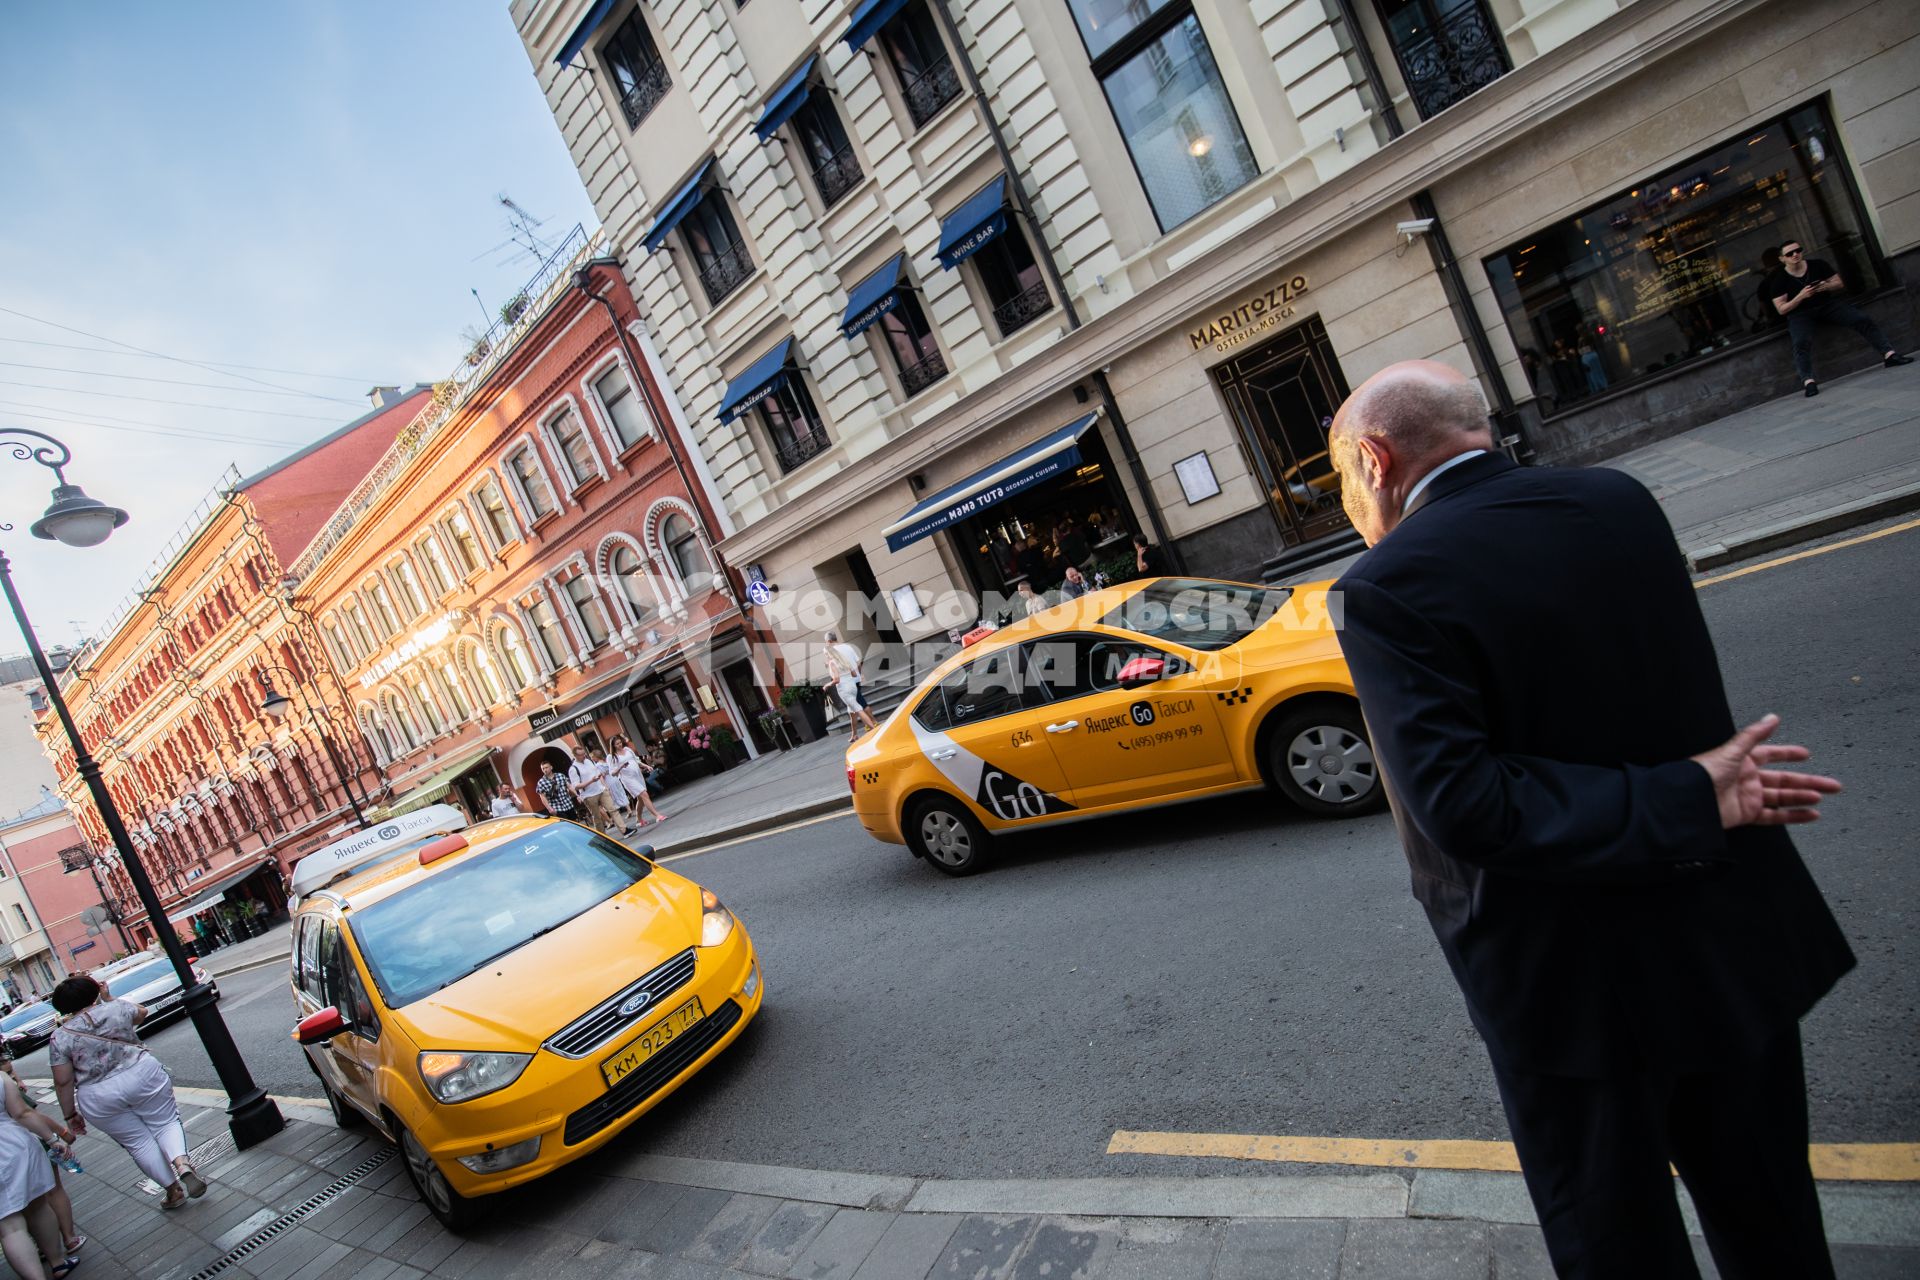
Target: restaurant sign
1254, 316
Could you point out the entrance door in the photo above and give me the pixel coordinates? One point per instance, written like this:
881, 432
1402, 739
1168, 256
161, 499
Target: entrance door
1282, 395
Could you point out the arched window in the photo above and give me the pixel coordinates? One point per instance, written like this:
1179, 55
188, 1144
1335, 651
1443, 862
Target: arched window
513, 657
429, 705
630, 579
474, 658
375, 732
456, 690
684, 550
400, 722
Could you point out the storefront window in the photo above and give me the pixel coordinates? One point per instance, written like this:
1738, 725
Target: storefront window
1078, 519
1673, 269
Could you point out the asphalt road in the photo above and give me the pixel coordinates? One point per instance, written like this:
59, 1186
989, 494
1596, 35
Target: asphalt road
1231, 966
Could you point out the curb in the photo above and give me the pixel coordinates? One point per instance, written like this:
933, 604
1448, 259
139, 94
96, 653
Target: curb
247, 967
753, 826
1838, 519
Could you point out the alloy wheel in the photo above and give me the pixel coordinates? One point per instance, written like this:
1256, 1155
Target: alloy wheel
1333, 764
945, 838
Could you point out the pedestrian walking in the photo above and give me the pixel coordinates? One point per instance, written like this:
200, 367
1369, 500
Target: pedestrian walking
57, 1199
504, 803
1601, 856
106, 1077
1802, 290
556, 792
29, 1229
843, 669
1030, 600
630, 773
588, 777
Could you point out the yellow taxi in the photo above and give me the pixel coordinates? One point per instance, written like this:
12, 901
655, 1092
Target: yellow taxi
1147, 693
504, 999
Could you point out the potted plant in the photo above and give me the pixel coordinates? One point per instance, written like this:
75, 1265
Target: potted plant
774, 725
727, 745
513, 308
806, 709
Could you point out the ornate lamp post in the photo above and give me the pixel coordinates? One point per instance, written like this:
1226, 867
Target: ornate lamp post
278, 705
79, 521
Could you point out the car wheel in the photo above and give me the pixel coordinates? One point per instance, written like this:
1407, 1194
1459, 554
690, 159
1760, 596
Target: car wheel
345, 1116
1319, 758
947, 836
455, 1211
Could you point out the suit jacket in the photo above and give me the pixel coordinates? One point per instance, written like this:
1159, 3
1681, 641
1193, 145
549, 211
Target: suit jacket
1535, 672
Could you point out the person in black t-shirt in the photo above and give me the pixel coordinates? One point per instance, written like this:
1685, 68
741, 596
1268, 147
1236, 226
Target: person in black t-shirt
1802, 290
1147, 560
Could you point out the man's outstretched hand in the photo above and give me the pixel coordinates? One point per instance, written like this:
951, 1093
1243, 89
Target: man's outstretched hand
1752, 795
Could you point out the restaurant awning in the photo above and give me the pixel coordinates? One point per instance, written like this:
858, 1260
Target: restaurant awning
968, 229
678, 206
873, 297
552, 725
439, 782
1047, 457
208, 898
762, 378
785, 100
868, 19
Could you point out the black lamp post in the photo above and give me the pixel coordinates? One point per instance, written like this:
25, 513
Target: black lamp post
278, 705
80, 521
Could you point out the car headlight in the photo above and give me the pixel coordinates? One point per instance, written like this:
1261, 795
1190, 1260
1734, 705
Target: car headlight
716, 922
456, 1077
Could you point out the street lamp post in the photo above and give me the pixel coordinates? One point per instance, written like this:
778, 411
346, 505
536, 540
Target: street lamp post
277, 705
79, 521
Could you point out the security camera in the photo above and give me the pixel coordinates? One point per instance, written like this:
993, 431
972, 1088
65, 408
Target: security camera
1418, 227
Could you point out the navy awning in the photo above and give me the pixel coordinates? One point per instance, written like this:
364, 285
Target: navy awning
1047, 457
676, 208
873, 297
980, 219
785, 100
762, 378
869, 18
584, 32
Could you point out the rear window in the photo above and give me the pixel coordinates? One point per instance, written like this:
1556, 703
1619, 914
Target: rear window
1197, 614
470, 914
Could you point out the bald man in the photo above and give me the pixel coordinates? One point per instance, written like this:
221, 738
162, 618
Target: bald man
1602, 857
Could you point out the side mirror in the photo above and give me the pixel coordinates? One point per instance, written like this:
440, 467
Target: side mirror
321, 1026
1141, 670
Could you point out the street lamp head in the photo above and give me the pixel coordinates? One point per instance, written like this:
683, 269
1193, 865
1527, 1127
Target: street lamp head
276, 704
77, 520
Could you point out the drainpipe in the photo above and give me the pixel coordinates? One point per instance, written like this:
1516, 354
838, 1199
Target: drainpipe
1508, 434
1369, 69
1025, 208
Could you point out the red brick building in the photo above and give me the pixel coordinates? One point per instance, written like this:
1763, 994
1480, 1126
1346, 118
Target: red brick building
64, 927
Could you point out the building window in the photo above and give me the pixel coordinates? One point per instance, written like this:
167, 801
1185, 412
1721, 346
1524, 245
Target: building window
587, 606
383, 611
429, 706
1447, 49
1676, 267
483, 672
364, 634
337, 641
623, 407
1159, 76
513, 655
407, 583
440, 575
639, 74
531, 481
20, 915
404, 734
913, 46
630, 571
688, 557
456, 692
909, 338
466, 546
720, 256
493, 510
824, 148
548, 630
1012, 280
577, 461
792, 424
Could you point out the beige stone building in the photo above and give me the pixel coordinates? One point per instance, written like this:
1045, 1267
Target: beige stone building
932, 277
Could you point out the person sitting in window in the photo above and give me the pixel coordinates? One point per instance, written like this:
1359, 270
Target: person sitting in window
1075, 584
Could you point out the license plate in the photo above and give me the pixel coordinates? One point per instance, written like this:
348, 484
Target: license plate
651, 1041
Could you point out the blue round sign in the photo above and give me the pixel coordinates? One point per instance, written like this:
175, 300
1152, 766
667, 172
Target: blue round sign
760, 593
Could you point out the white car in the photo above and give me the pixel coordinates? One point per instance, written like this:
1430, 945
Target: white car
150, 981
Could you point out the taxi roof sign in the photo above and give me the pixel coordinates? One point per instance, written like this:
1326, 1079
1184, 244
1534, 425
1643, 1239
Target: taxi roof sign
323, 866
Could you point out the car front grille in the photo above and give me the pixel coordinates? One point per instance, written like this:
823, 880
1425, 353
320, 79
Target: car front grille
652, 1074
605, 1021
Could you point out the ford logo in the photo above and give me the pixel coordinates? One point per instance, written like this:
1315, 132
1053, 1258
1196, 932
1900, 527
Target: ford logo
635, 1004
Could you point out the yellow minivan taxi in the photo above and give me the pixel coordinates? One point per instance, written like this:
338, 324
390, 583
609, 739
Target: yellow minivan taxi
503, 1000
1148, 693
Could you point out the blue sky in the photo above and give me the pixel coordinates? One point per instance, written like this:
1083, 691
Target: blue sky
308, 188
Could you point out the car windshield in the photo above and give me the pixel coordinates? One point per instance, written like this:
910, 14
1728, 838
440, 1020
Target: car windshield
21, 1017
1197, 614
134, 979
450, 924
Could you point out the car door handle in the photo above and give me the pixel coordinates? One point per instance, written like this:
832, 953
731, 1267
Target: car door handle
1065, 726
948, 754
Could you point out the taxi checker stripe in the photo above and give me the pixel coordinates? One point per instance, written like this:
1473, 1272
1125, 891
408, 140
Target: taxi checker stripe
1233, 697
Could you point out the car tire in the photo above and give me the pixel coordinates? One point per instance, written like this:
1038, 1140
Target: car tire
455, 1212
1319, 758
345, 1114
942, 831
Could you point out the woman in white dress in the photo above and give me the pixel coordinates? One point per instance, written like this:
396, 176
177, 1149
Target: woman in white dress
28, 1230
847, 686
630, 776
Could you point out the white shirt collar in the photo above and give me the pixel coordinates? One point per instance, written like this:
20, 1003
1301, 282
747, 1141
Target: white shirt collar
1429, 478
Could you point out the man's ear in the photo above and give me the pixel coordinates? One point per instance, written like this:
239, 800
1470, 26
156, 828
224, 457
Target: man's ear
1376, 460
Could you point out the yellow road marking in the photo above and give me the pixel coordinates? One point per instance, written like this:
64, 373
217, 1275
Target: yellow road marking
1803, 555
1831, 1161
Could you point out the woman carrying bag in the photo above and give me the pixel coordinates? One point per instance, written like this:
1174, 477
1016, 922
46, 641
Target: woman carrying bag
120, 1086
630, 774
28, 1230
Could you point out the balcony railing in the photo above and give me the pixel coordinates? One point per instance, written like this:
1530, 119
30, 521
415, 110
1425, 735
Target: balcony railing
650, 85
931, 90
915, 378
1461, 55
791, 453
1019, 310
836, 175
722, 274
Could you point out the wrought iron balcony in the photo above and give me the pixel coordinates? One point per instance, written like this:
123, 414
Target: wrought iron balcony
915, 378
837, 175
1461, 55
722, 274
1019, 311
931, 90
791, 453
650, 84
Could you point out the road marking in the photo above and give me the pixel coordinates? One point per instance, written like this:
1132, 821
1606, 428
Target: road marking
1803, 555
759, 835
1831, 1161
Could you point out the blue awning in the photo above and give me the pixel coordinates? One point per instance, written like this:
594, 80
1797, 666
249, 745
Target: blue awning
785, 100
873, 297
584, 32
762, 378
980, 219
676, 208
1047, 457
869, 18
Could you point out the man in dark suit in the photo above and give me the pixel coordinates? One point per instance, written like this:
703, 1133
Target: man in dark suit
1599, 852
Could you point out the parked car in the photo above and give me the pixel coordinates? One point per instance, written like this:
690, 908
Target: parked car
28, 1027
149, 980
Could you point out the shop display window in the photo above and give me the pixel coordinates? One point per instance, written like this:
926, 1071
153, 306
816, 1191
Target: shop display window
1674, 268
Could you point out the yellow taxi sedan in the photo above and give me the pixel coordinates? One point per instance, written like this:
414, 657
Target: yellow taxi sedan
504, 1000
1143, 694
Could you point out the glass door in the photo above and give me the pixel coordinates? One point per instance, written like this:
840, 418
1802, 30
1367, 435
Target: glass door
1282, 396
